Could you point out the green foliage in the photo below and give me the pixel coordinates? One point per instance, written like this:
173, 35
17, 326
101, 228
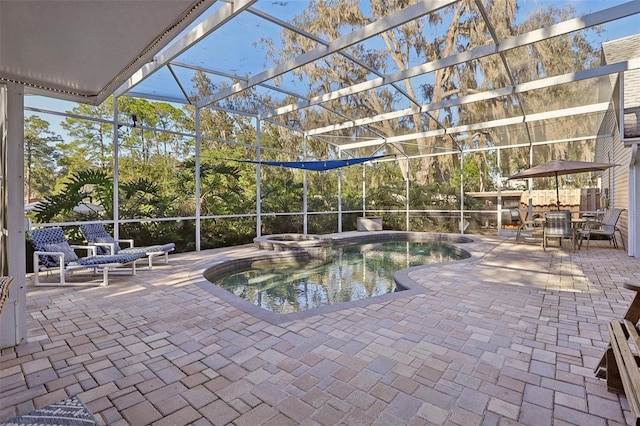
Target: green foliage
140, 198
221, 192
137, 199
91, 144
473, 177
40, 157
282, 193
92, 185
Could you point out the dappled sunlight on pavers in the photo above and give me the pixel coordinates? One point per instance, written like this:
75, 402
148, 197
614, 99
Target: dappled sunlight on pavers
511, 334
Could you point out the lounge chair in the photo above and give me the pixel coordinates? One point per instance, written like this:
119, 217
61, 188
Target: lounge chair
607, 227
97, 235
53, 252
558, 225
527, 226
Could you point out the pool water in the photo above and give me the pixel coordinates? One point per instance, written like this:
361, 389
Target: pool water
353, 272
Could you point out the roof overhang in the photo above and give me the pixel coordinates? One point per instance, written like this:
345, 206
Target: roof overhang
84, 50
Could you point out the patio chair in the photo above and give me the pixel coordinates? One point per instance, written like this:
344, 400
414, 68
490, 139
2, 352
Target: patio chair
97, 235
558, 225
527, 226
53, 252
607, 227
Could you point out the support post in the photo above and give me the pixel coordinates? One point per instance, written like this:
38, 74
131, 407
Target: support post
461, 192
633, 247
197, 177
258, 177
499, 200
305, 206
13, 321
116, 165
364, 190
407, 198
340, 194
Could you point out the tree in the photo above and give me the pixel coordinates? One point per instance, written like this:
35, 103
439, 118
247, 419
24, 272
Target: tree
559, 55
147, 150
330, 19
91, 144
412, 43
144, 148
40, 156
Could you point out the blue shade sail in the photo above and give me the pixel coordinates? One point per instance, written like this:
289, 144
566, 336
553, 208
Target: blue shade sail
318, 166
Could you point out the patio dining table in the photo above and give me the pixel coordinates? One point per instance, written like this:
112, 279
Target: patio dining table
577, 222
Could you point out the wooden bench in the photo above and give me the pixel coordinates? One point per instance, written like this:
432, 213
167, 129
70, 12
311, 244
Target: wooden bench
620, 364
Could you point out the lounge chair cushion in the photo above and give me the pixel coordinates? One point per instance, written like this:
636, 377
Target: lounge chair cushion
64, 247
96, 233
161, 248
103, 259
110, 240
54, 237
41, 237
150, 249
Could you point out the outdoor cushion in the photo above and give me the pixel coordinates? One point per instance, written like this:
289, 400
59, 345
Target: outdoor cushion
103, 259
152, 249
47, 241
110, 240
95, 233
54, 237
64, 247
41, 237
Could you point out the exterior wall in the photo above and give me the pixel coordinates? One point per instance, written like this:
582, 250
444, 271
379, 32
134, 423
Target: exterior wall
632, 105
610, 149
622, 179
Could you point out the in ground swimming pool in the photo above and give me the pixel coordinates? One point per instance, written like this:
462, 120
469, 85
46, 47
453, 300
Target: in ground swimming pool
352, 272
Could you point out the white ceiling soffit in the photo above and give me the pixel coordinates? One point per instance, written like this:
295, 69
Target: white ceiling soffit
83, 50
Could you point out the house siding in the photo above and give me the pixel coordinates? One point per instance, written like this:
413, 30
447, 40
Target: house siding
610, 147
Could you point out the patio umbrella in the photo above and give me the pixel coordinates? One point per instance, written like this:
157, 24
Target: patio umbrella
560, 167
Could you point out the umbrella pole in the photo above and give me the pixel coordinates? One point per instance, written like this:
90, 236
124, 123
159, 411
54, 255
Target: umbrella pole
557, 192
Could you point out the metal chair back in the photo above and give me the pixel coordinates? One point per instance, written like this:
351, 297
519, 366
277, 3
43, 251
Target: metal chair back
558, 223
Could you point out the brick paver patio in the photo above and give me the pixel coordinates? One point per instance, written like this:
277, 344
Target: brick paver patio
509, 336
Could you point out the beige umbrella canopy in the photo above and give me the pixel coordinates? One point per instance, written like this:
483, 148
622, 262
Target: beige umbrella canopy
560, 167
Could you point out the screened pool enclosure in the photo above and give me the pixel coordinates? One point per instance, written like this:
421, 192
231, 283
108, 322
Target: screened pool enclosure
457, 95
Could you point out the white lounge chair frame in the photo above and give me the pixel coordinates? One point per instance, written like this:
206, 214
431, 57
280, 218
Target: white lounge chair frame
63, 269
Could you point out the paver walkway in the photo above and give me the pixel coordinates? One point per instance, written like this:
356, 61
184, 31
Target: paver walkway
509, 336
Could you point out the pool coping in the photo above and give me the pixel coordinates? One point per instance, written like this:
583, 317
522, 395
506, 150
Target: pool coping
410, 287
